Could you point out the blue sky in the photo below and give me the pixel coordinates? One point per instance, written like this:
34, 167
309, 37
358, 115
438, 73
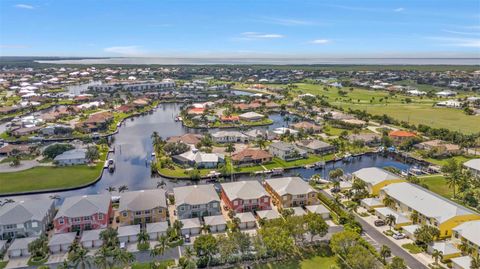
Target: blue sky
354, 28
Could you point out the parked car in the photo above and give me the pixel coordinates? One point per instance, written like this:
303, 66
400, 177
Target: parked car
398, 236
187, 238
379, 222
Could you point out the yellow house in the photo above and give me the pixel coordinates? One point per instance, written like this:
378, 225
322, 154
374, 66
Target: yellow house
376, 178
432, 209
142, 207
291, 192
468, 232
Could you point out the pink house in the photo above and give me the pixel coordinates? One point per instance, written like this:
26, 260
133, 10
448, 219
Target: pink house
245, 196
79, 213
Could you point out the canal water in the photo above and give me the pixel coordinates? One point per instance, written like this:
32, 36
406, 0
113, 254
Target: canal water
133, 149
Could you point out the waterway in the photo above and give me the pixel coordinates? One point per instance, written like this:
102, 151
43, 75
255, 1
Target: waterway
133, 149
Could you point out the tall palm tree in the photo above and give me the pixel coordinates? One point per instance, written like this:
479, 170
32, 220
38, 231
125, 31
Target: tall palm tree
414, 217
385, 252
437, 255
206, 228
453, 180
475, 262
111, 189
109, 237
160, 248
261, 142
464, 247
81, 259
390, 220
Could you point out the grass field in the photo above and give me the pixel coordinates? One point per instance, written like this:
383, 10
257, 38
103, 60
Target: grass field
48, 178
419, 111
438, 185
315, 262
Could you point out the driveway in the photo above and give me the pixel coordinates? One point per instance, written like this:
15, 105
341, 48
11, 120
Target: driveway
20, 262
24, 165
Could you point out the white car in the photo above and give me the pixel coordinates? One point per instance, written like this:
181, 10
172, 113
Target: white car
398, 236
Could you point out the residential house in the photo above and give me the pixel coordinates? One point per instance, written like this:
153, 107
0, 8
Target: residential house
432, 208
19, 247
231, 119
474, 167
189, 139
439, 148
268, 214
25, 218
290, 192
463, 262
216, 223
95, 122
91, 239
199, 159
229, 137
157, 229
319, 209
142, 207
12, 149
196, 201
368, 139
247, 220
251, 156
286, 151
376, 178
251, 116
258, 134
315, 146
400, 136
61, 242
447, 249
71, 157
468, 232
129, 233
79, 213
191, 226
244, 196
307, 127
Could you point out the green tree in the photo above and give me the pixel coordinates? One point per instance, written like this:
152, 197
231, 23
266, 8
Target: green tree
388, 201
143, 237
397, 263
385, 252
437, 255
123, 258
426, 234
81, 259
277, 241
103, 259
316, 225
38, 248
390, 220
206, 245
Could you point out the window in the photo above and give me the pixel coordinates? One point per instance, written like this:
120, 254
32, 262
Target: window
235, 202
138, 213
147, 212
76, 219
125, 214
195, 206
265, 199
34, 224
87, 218
214, 205
285, 198
61, 221
100, 216
11, 226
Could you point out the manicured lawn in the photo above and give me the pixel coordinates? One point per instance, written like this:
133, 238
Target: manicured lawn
412, 248
438, 184
316, 262
459, 159
46, 178
3, 264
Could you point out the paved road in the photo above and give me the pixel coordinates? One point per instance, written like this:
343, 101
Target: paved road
381, 239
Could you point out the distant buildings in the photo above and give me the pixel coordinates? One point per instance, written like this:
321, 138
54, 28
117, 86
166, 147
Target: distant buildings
286, 151
251, 157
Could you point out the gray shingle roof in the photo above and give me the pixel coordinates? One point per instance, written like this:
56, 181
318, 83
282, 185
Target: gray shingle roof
23, 211
157, 227
195, 194
191, 223
215, 220
73, 154
87, 205
21, 243
289, 185
244, 190
268, 214
129, 230
142, 200
245, 217
91, 235
60, 239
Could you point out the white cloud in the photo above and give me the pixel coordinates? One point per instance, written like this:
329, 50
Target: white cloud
320, 41
400, 9
125, 50
458, 42
461, 32
256, 35
24, 6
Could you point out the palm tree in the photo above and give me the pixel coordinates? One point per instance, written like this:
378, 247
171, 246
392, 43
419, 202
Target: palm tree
206, 228
464, 247
452, 180
161, 247
436, 255
109, 237
81, 259
161, 184
123, 258
414, 217
123, 188
143, 237
64, 265
102, 258
188, 255
388, 201
261, 142
475, 262
390, 220
385, 252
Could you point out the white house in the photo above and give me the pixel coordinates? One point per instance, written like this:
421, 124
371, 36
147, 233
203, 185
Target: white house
251, 116
229, 137
72, 157
474, 166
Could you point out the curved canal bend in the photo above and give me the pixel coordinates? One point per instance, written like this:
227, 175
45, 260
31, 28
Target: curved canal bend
133, 149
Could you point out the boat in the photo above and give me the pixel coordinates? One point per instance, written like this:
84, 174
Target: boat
178, 118
319, 165
111, 165
309, 166
347, 157
277, 171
